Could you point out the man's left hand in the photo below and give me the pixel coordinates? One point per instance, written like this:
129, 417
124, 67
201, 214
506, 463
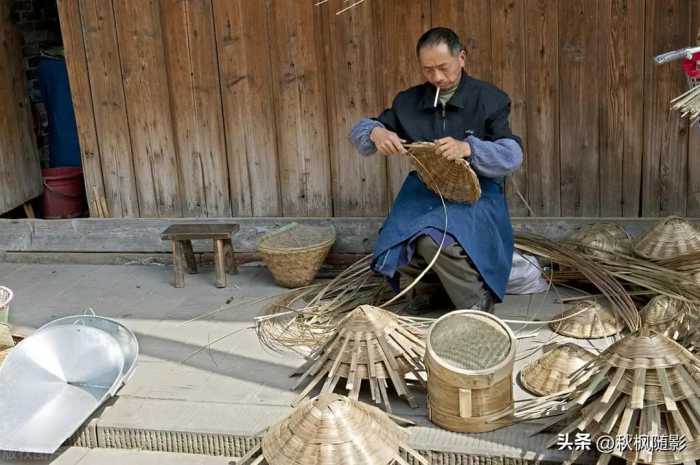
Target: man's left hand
452, 149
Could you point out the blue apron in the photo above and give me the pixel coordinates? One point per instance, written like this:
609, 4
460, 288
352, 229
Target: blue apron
482, 229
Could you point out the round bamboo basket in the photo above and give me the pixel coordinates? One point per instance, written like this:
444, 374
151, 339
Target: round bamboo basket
667, 316
454, 179
294, 253
5, 298
670, 238
469, 360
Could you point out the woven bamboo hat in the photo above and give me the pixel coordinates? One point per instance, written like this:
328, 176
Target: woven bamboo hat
371, 345
670, 238
551, 373
295, 252
592, 319
601, 239
454, 179
334, 430
666, 315
642, 385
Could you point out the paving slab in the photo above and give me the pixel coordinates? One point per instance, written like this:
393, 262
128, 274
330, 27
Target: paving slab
204, 384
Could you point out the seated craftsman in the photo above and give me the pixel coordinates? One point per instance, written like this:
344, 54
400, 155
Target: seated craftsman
467, 118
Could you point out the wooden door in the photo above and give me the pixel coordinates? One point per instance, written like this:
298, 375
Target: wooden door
20, 172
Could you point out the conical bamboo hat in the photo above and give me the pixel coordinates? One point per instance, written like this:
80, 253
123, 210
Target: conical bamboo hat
371, 345
642, 385
601, 239
662, 314
670, 238
592, 319
454, 179
551, 373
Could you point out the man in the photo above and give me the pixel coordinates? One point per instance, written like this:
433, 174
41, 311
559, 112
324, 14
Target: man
466, 118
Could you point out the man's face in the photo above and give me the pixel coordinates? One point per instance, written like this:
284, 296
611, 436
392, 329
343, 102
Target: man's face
440, 67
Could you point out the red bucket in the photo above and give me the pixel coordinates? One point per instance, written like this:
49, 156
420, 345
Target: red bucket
63, 192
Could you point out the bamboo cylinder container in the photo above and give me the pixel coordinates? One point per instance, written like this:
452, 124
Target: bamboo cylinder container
469, 360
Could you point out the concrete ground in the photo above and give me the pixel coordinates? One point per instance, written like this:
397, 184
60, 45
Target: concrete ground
216, 401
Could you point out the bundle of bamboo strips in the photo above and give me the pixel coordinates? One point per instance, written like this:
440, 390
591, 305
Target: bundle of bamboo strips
688, 104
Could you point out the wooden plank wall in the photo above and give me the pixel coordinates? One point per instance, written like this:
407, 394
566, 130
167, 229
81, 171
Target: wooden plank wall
20, 175
243, 108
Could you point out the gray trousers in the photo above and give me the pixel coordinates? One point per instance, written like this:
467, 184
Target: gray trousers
453, 269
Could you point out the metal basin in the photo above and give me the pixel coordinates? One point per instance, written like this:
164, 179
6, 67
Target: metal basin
52, 382
124, 336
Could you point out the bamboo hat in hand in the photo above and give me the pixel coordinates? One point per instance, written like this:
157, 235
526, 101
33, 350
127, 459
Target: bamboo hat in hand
454, 179
552, 372
333, 430
670, 238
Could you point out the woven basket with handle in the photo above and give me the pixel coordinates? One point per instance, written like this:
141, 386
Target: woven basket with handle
454, 179
294, 253
469, 359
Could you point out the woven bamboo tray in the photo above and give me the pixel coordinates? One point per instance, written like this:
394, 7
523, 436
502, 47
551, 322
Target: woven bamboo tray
453, 179
294, 253
333, 430
469, 359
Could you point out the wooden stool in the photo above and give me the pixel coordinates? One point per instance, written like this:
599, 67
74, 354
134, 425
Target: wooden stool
182, 235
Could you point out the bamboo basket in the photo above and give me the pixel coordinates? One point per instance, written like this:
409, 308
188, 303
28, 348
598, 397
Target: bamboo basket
670, 238
453, 179
294, 253
671, 317
469, 360
5, 298
591, 320
603, 240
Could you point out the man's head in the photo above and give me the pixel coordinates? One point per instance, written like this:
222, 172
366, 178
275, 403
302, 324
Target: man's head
441, 56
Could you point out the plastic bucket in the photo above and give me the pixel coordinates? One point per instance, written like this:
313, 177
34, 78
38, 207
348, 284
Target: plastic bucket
63, 192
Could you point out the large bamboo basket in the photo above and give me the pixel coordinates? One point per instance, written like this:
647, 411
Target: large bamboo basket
469, 359
453, 179
294, 253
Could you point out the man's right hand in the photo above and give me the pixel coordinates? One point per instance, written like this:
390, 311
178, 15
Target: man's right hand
387, 142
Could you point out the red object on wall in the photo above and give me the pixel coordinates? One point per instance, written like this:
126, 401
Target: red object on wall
691, 66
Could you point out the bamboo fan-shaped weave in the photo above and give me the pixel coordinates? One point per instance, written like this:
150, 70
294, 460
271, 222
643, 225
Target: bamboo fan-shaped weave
668, 316
454, 179
602, 239
592, 319
688, 104
372, 345
551, 373
668, 239
333, 430
642, 385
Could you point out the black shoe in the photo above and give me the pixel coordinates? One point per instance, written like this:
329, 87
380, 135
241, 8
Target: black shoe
486, 302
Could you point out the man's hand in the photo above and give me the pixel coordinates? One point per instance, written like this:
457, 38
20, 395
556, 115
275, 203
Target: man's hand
452, 149
387, 142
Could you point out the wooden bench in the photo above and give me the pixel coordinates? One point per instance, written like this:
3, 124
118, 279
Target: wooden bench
182, 236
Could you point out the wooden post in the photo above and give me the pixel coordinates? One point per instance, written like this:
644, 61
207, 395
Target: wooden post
178, 264
219, 262
189, 256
